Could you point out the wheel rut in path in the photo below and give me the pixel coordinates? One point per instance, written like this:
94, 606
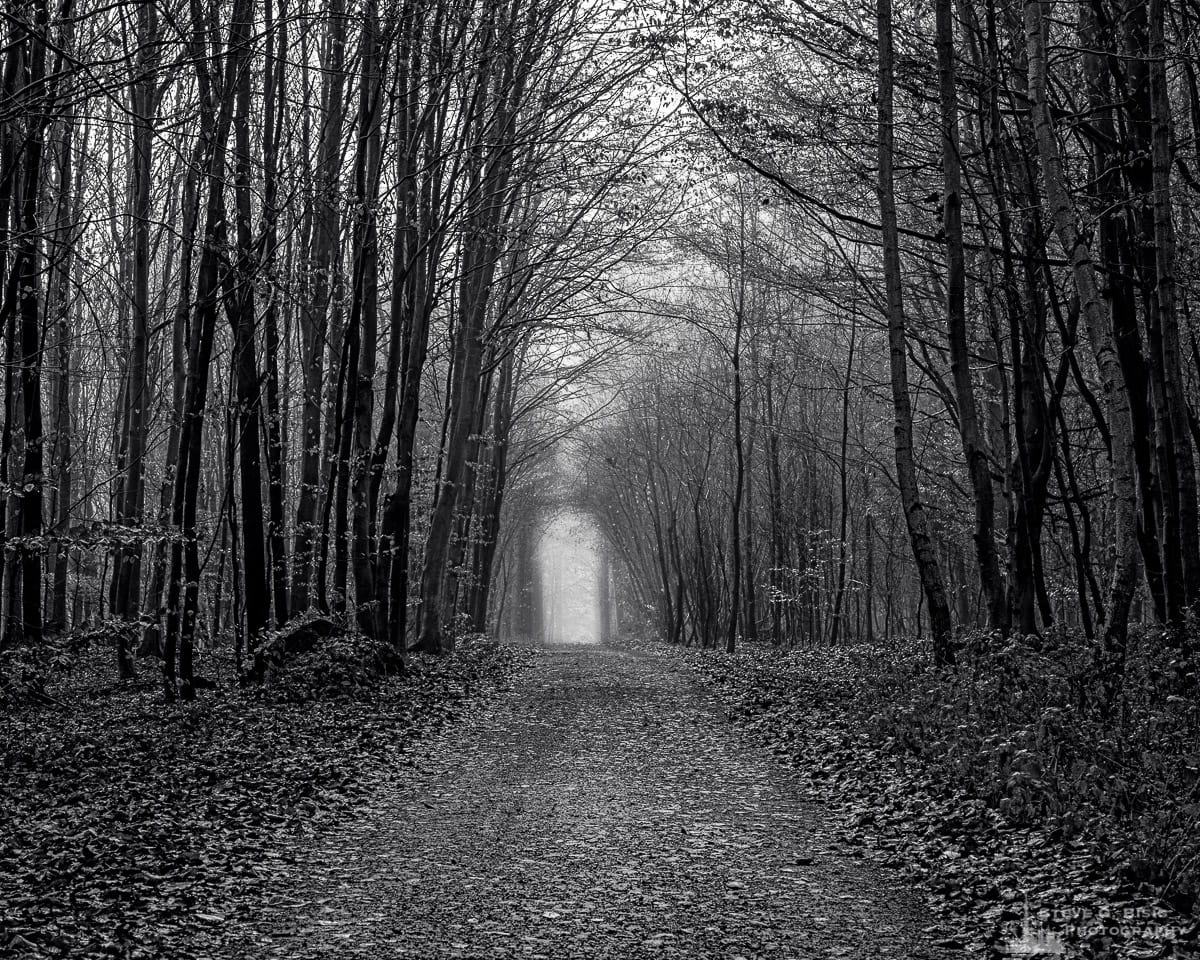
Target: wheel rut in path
601, 808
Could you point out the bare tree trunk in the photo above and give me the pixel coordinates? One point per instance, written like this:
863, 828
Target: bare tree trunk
155, 637
418, 245
924, 554
10, 634
492, 497
956, 324
739, 474
839, 597
1187, 508
323, 265
364, 322
274, 101
239, 283
26, 270
184, 580
501, 96
1074, 240
128, 560
70, 187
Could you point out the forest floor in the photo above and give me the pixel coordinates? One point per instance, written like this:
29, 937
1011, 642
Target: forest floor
590, 802
133, 828
1009, 880
604, 808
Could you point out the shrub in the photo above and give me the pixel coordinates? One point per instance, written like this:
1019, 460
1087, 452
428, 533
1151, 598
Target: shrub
341, 664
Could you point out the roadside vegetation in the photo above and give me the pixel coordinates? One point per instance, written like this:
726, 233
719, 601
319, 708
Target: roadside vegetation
136, 828
1001, 782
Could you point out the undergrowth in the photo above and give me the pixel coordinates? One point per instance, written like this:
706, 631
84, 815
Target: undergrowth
1019, 726
136, 828
1006, 777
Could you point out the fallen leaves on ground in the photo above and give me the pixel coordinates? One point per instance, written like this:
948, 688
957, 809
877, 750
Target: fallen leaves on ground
133, 828
602, 810
992, 881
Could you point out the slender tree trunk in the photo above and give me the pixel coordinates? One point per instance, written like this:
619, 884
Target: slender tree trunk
239, 284
418, 244
274, 100
956, 324
10, 635
27, 273
184, 580
70, 214
138, 398
1187, 508
924, 554
315, 321
155, 638
492, 500
739, 474
1073, 239
364, 322
491, 203
839, 598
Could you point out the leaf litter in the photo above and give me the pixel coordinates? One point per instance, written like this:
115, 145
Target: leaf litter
136, 829
601, 809
996, 886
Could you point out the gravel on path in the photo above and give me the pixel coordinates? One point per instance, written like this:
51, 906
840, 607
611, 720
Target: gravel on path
600, 809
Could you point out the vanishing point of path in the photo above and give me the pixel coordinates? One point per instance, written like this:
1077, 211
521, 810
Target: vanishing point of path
599, 809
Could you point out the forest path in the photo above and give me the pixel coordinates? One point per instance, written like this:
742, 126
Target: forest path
601, 809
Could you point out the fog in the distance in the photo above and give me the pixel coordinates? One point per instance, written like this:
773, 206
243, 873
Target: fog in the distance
570, 566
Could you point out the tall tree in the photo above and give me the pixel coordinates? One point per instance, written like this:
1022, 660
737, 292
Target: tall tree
219, 99
924, 554
143, 102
